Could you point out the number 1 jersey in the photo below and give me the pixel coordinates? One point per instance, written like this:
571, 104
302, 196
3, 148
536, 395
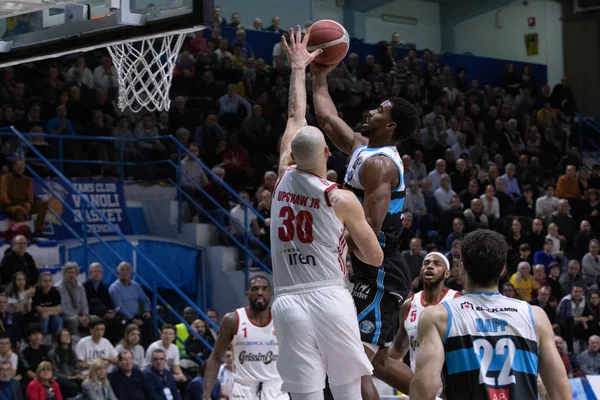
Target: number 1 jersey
307, 238
491, 349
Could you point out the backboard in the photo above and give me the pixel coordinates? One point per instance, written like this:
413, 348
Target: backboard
32, 30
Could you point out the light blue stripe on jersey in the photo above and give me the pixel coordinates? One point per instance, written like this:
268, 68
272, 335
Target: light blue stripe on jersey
396, 206
465, 360
400, 175
449, 323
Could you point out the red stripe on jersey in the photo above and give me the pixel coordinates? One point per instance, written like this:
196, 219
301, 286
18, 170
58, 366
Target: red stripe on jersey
409, 304
457, 294
438, 301
237, 324
341, 247
329, 189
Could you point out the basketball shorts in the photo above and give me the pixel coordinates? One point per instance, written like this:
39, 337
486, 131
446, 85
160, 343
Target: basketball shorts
378, 312
318, 337
258, 391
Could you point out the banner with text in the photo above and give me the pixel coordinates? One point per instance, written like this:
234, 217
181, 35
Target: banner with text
108, 197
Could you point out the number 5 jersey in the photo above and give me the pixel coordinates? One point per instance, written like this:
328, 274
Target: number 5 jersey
491, 349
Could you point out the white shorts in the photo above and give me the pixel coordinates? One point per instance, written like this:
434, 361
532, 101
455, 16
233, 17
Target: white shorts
253, 391
318, 336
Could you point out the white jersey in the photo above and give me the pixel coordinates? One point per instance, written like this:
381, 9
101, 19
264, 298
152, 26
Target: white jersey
255, 350
307, 241
411, 321
363, 153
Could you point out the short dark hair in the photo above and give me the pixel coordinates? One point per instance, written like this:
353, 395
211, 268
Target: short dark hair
168, 326
553, 265
406, 117
525, 247
258, 276
122, 352
548, 241
97, 322
483, 247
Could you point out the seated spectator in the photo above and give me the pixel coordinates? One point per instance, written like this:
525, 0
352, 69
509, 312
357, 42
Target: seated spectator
458, 226
97, 386
444, 193
591, 264
126, 380
195, 391
512, 185
546, 205
127, 295
524, 255
194, 178
491, 205
505, 201
516, 237
130, 342
19, 294
472, 192
536, 237
545, 256
182, 333
10, 389
17, 196
8, 321
567, 186
589, 360
17, 259
213, 315
6, 353
101, 304
196, 347
64, 360
523, 282
581, 242
573, 316
509, 291
447, 219
539, 275
556, 292
47, 303
94, 347
43, 386
572, 277
414, 257
564, 356
167, 336
33, 354
475, 217
543, 301
74, 303
227, 375
525, 205
561, 217
158, 379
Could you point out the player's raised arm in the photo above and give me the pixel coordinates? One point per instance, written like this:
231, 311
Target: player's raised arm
342, 136
551, 368
350, 212
299, 59
430, 359
227, 331
399, 348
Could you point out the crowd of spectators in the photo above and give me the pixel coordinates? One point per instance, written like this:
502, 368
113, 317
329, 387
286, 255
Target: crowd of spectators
95, 341
495, 157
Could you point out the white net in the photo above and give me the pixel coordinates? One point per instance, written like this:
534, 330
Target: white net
145, 70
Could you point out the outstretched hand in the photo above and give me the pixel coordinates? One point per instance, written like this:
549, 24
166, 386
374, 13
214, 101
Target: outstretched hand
298, 55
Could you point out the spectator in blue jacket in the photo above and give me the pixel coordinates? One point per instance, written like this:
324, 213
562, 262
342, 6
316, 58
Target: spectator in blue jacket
545, 256
196, 389
159, 380
128, 297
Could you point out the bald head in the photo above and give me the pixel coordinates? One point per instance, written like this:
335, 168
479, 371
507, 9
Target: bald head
308, 148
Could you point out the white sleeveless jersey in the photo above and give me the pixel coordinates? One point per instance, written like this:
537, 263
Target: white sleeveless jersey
255, 350
412, 320
307, 238
361, 154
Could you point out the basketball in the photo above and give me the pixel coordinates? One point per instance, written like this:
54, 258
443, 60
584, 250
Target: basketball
332, 38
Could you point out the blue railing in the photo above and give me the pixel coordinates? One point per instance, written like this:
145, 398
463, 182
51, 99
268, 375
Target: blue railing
88, 205
182, 150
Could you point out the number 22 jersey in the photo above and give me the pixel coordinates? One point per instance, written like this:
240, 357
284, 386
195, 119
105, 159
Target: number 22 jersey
491, 349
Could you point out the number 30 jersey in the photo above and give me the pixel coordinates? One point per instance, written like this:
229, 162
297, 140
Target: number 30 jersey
491, 349
307, 239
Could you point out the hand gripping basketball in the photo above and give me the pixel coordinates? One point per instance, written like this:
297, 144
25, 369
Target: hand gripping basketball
298, 55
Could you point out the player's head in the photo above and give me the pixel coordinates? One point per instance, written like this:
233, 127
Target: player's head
483, 255
259, 292
309, 149
435, 270
395, 119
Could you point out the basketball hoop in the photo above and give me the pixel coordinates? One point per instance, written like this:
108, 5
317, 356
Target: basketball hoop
145, 70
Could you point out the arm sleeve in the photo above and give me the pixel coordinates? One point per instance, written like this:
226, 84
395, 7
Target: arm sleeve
4, 191
144, 298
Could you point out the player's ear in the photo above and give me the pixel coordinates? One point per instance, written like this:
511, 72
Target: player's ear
327, 152
391, 126
504, 270
447, 274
